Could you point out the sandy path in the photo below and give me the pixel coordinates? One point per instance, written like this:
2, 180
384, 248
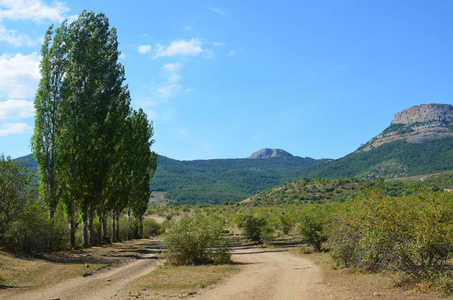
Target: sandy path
102, 285
270, 274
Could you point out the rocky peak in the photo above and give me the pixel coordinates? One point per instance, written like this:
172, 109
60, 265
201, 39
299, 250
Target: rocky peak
441, 114
269, 152
417, 124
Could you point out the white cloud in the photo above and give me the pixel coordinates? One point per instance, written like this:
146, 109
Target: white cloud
232, 53
166, 91
144, 49
15, 39
19, 75
181, 48
31, 10
218, 10
172, 72
175, 67
16, 109
14, 128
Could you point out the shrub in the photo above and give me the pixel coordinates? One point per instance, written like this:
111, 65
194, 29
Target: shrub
16, 191
257, 229
151, 228
412, 235
196, 240
312, 227
35, 233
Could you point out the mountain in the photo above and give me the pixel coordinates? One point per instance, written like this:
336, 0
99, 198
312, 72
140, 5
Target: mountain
418, 124
29, 162
418, 141
217, 181
269, 152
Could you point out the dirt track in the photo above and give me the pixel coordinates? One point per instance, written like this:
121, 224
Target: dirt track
270, 274
102, 285
265, 273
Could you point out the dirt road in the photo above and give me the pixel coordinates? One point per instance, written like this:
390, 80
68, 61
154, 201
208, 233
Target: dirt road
102, 285
267, 273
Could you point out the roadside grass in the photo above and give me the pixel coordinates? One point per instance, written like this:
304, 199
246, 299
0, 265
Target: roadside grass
29, 272
367, 285
19, 273
174, 281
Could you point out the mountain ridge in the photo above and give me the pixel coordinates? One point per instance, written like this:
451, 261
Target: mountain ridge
417, 124
408, 147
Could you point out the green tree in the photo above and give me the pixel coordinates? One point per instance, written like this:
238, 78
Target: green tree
81, 105
16, 191
48, 114
143, 165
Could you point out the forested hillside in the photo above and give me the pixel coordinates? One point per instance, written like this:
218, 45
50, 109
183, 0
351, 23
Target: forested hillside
223, 180
319, 190
391, 160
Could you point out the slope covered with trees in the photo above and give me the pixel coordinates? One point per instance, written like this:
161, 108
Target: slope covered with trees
391, 160
319, 190
223, 180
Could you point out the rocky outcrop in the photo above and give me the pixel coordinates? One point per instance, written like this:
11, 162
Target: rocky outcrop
417, 124
435, 114
269, 152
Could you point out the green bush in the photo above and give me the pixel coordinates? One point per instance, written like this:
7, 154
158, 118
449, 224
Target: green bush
16, 191
312, 227
257, 229
24, 222
35, 233
151, 228
196, 240
412, 235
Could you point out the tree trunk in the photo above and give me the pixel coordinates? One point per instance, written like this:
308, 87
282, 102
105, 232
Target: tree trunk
91, 224
128, 223
113, 227
117, 226
140, 227
51, 213
72, 228
85, 233
104, 228
101, 234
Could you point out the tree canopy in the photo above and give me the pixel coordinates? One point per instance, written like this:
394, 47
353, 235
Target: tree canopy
85, 128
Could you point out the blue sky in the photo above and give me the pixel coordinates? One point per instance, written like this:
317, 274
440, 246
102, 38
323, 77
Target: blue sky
222, 79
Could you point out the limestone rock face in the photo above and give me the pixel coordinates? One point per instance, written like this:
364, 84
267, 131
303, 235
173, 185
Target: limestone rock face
440, 114
269, 152
417, 124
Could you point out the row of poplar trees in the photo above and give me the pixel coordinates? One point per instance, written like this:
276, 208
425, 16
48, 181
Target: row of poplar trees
93, 150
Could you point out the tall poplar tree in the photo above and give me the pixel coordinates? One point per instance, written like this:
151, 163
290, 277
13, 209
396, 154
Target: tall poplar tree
82, 107
143, 165
48, 102
95, 80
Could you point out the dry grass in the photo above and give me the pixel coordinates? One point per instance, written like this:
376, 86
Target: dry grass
19, 273
182, 281
364, 285
29, 272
